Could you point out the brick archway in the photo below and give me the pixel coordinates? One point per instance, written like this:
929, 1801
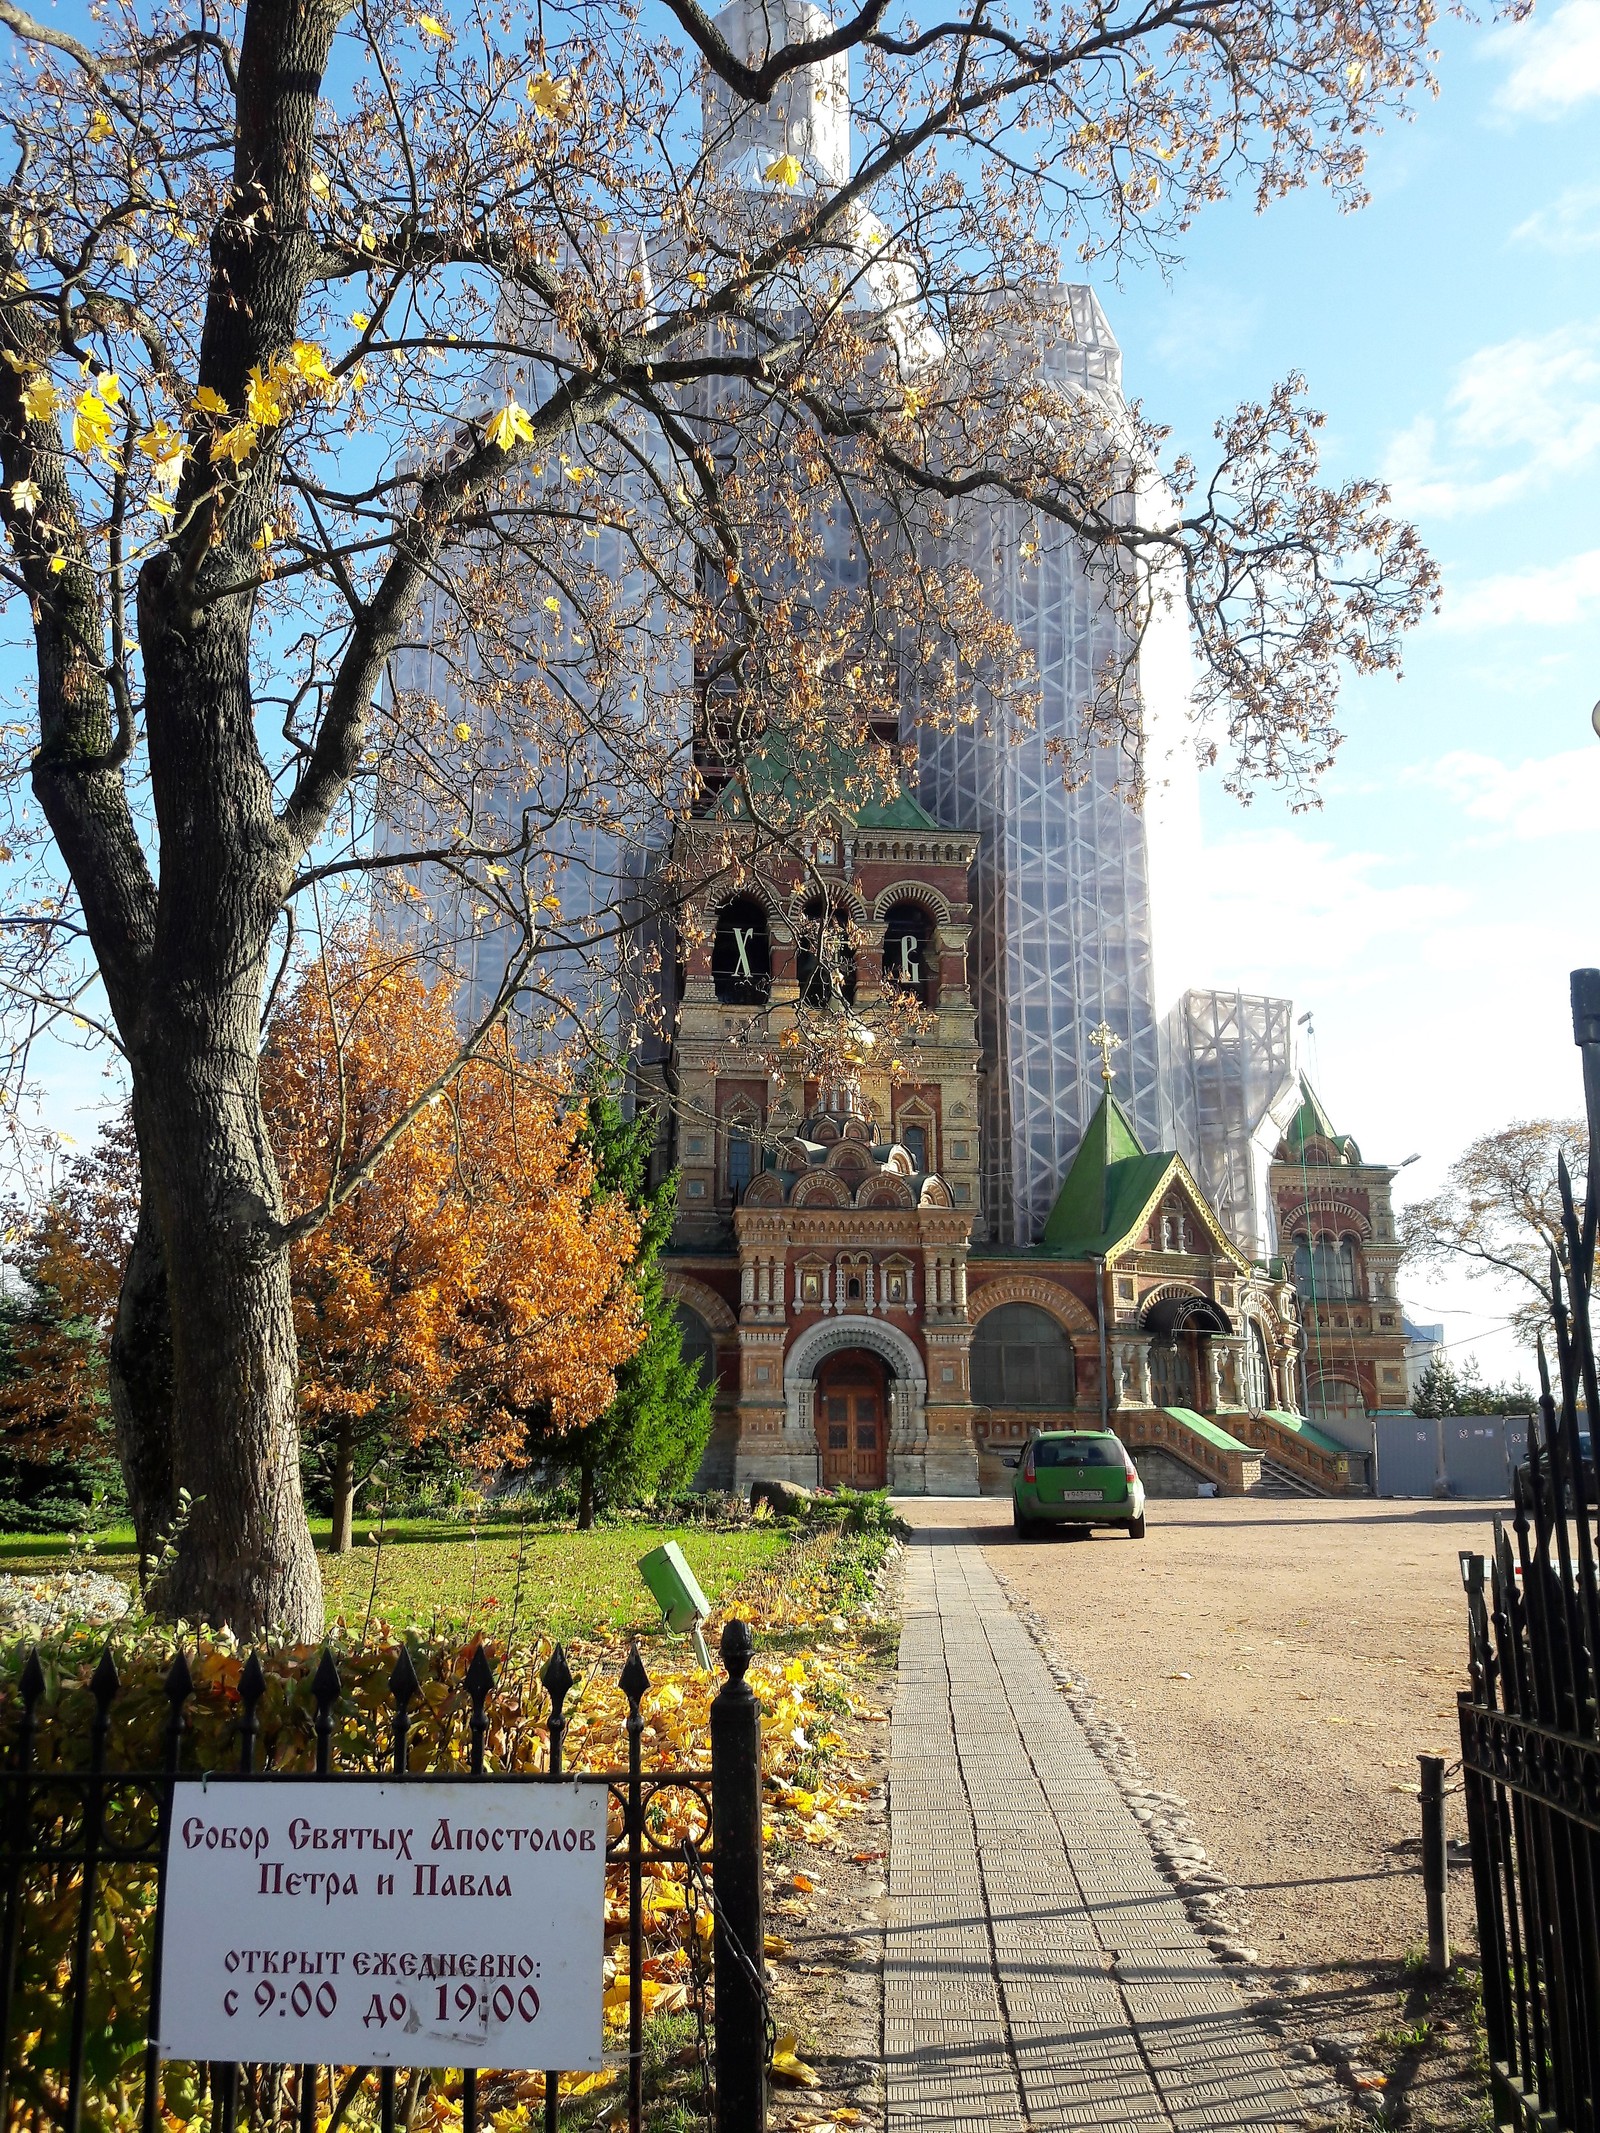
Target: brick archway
1060, 1304
699, 1297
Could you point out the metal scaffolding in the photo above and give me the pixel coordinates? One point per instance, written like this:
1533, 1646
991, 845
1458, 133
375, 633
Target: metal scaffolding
1231, 1076
1062, 889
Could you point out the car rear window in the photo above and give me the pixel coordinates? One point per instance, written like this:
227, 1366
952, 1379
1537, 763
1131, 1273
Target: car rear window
1077, 1451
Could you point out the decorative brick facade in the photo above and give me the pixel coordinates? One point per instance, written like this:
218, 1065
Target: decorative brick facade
830, 1238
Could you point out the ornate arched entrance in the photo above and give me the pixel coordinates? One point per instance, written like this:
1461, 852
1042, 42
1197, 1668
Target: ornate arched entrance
864, 1345
853, 1420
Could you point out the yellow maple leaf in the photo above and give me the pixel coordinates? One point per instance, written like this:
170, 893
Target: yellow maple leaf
319, 184
784, 170
509, 425
307, 359
549, 97
368, 240
100, 126
25, 496
463, 730
789, 2067
697, 281
262, 404
235, 443
210, 402
109, 386
91, 423
39, 399
58, 563
552, 603
166, 452
360, 321
431, 26
586, 2084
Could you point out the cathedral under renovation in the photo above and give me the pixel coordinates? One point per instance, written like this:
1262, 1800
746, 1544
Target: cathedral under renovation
1088, 1193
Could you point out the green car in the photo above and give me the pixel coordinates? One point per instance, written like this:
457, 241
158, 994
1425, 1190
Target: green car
1076, 1478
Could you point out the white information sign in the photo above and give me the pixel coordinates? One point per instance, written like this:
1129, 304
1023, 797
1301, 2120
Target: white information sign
370, 1922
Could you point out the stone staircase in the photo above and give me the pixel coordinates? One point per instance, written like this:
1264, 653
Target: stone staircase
1279, 1480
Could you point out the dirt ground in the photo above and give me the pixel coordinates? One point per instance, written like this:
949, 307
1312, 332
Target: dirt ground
1281, 1665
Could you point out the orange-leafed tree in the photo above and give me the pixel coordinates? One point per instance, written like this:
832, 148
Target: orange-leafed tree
473, 1274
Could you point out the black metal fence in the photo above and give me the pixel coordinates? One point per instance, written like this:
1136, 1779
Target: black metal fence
1530, 1724
81, 1852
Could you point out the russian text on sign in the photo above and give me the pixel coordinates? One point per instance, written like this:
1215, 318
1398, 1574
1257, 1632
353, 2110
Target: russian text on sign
274, 1954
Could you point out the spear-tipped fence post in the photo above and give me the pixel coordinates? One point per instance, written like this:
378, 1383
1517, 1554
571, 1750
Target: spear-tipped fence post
557, 1680
738, 1945
1435, 1863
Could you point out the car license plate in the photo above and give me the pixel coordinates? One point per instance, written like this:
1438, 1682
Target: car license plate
1081, 1496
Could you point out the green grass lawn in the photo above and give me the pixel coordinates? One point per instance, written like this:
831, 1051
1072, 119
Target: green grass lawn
572, 1584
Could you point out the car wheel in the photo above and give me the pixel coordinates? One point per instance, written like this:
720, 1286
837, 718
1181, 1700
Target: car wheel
1136, 1528
1026, 1529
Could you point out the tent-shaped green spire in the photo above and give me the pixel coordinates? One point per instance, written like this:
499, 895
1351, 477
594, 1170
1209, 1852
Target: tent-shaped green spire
1312, 1123
1111, 1182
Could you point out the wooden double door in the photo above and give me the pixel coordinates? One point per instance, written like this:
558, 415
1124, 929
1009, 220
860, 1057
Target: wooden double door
853, 1421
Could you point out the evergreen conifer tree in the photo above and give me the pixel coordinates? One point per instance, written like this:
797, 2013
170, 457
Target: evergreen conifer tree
651, 1437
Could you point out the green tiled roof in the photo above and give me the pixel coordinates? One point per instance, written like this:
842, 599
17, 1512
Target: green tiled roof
1308, 1431
1203, 1426
1110, 1183
806, 782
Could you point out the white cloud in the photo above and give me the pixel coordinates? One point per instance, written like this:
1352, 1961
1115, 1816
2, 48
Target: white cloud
1555, 60
1518, 413
1571, 223
1528, 802
1278, 903
1551, 596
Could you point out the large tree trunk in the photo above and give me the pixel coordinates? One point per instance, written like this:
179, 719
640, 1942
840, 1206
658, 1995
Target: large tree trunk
344, 1491
140, 1376
585, 1498
244, 1555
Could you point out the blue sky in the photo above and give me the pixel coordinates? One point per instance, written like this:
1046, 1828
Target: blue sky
1429, 913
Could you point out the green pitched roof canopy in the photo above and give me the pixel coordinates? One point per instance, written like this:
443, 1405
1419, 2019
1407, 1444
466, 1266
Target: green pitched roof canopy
1111, 1182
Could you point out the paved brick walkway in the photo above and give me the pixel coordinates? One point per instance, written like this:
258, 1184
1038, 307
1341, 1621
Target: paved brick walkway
1040, 1972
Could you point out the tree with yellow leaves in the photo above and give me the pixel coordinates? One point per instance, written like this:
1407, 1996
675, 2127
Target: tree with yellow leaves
497, 355
477, 1273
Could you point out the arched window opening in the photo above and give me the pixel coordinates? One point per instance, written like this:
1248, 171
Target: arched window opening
696, 1345
1257, 1371
910, 961
914, 1140
1333, 1274
826, 961
1177, 1232
1339, 1398
741, 953
1022, 1358
1302, 1266
741, 1163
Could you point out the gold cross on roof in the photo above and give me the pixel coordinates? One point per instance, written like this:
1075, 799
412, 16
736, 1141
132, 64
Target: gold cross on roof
1105, 1041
